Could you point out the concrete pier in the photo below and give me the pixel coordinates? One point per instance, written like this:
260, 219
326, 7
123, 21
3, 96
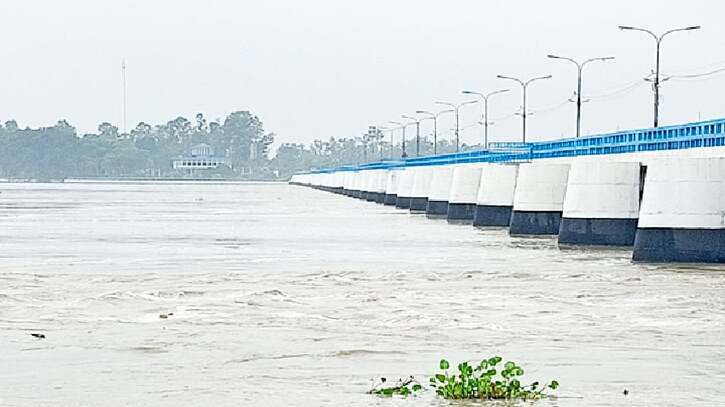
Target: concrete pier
602, 204
346, 183
539, 199
405, 188
380, 186
682, 217
421, 188
371, 185
362, 185
356, 182
338, 182
464, 192
350, 183
440, 188
391, 187
495, 199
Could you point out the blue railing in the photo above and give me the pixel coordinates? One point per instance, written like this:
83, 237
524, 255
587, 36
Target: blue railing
692, 135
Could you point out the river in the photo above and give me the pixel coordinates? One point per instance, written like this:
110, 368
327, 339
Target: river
279, 295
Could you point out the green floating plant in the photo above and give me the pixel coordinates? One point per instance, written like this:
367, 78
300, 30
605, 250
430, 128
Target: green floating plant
486, 380
402, 387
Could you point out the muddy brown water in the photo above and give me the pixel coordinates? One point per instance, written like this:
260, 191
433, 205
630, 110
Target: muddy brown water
283, 295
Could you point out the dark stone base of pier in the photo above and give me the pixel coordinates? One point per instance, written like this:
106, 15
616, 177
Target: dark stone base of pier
534, 223
461, 212
402, 203
418, 204
347, 192
437, 209
356, 194
492, 215
390, 199
371, 196
379, 197
597, 232
679, 245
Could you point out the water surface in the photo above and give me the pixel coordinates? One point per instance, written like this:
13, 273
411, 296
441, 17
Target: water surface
283, 295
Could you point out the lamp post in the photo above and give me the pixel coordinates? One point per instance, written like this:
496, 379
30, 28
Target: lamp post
658, 40
381, 129
379, 135
392, 142
434, 117
417, 132
524, 86
365, 138
402, 126
456, 108
485, 97
580, 67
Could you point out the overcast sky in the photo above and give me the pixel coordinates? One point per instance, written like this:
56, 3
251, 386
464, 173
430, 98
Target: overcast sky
322, 68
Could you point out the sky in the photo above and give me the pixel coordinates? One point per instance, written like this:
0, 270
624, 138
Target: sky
315, 69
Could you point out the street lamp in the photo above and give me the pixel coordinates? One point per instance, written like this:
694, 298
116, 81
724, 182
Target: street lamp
380, 135
402, 126
456, 108
485, 110
365, 139
658, 40
524, 86
579, 66
434, 117
392, 141
417, 132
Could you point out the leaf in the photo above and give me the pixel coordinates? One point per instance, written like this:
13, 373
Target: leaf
444, 364
388, 392
417, 387
553, 385
441, 378
509, 365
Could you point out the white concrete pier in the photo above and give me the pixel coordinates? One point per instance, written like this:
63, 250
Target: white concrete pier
682, 217
602, 203
539, 199
495, 199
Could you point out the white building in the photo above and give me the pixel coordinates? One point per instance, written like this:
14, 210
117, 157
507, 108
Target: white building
200, 157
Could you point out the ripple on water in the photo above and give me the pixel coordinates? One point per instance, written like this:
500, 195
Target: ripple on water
280, 294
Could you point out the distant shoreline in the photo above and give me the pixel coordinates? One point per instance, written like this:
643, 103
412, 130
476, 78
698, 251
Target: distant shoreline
135, 180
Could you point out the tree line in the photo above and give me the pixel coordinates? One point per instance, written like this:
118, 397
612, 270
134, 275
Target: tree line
146, 151
59, 152
294, 157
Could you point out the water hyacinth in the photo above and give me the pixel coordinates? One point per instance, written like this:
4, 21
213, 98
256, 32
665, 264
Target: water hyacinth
486, 380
